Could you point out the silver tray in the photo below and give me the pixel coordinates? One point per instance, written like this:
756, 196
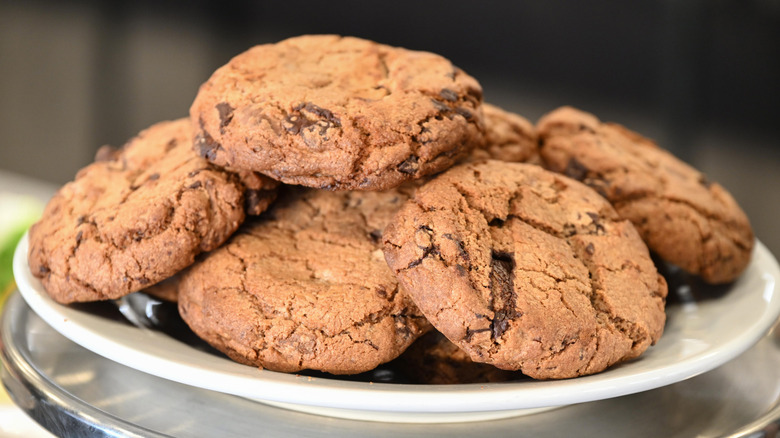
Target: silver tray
73, 392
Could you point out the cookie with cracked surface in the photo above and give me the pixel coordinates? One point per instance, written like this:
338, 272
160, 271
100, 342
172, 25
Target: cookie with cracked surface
434, 360
528, 270
134, 217
338, 113
305, 287
508, 137
683, 217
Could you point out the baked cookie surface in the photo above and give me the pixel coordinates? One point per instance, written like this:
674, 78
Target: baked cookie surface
135, 217
527, 270
686, 219
305, 287
508, 137
338, 112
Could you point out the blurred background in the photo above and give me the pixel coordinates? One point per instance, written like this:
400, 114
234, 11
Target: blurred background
702, 78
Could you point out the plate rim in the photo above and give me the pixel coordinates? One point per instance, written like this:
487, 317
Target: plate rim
273, 386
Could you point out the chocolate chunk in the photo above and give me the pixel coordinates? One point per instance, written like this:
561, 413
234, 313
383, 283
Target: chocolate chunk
376, 235
449, 95
441, 106
575, 169
502, 291
205, 144
256, 201
409, 166
306, 115
464, 112
225, 115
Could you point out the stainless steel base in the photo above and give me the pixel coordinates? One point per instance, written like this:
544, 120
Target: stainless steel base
73, 392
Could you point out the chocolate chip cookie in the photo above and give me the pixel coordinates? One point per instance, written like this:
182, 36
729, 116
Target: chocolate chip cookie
685, 218
305, 287
338, 113
527, 270
508, 137
134, 217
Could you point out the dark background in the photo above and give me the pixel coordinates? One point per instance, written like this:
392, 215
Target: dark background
700, 77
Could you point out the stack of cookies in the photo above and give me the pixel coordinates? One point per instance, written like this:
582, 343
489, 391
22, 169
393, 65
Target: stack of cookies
330, 200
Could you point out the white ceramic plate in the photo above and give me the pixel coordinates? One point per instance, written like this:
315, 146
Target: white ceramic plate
701, 334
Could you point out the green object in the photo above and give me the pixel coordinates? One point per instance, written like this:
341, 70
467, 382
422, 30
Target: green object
17, 213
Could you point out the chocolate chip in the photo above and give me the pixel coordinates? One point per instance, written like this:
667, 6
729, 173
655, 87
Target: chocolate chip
502, 291
225, 115
79, 235
596, 219
409, 166
376, 235
464, 112
205, 144
599, 185
300, 119
403, 330
448, 94
500, 324
254, 199
441, 106
575, 169
590, 249
195, 185
154, 177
